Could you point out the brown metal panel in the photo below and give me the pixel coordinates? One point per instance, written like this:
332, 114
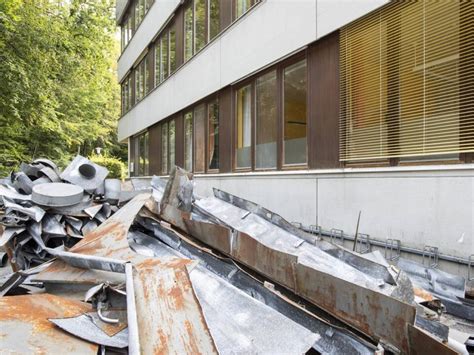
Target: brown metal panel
179, 139
179, 23
225, 13
154, 152
225, 130
423, 343
323, 91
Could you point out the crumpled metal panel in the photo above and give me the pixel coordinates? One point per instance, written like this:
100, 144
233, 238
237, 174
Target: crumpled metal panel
422, 343
109, 240
286, 253
74, 175
25, 328
240, 324
169, 315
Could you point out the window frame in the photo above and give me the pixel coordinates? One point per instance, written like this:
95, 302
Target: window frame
279, 67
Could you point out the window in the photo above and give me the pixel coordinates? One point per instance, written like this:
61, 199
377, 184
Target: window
172, 143
127, 31
241, 7
199, 25
402, 89
164, 148
143, 163
127, 94
172, 47
157, 62
164, 57
188, 33
294, 114
244, 112
213, 135
188, 141
266, 121
139, 12
199, 138
141, 80
214, 18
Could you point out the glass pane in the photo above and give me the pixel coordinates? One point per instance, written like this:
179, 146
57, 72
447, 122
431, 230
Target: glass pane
294, 111
172, 50
164, 148
241, 7
171, 128
244, 114
146, 76
143, 154
137, 85
164, 57
213, 137
188, 33
266, 121
157, 63
200, 24
199, 134
214, 18
188, 141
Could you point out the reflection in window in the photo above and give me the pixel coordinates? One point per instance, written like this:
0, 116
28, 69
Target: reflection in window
143, 154
199, 25
213, 135
172, 58
188, 33
158, 63
171, 140
164, 148
164, 56
294, 110
243, 112
266, 121
241, 7
214, 18
199, 134
141, 75
188, 141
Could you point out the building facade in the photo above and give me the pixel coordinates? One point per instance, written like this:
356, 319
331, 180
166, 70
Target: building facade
316, 109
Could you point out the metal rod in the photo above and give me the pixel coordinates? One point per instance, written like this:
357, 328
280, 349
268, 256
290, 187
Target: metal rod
133, 334
357, 233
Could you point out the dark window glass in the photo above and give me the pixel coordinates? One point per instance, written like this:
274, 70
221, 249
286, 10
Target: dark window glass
199, 136
188, 33
172, 146
266, 121
188, 141
241, 7
213, 135
214, 18
244, 121
143, 154
172, 50
200, 38
164, 148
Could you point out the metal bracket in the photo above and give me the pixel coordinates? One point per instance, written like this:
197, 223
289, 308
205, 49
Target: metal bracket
337, 234
363, 243
431, 254
392, 249
316, 230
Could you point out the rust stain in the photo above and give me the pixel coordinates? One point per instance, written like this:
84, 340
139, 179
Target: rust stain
425, 295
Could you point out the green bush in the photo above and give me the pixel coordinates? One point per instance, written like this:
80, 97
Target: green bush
117, 169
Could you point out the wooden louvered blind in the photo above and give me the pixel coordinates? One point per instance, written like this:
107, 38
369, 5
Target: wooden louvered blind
407, 81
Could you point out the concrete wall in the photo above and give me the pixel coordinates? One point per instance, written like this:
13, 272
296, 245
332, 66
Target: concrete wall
271, 31
418, 205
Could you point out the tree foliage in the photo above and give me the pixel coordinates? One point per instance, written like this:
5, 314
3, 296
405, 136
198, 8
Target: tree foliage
58, 90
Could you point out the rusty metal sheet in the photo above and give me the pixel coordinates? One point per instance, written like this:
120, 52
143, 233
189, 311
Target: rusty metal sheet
214, 235
276, 265
422, 343
373, 313
109, 240
25, 328
170, 319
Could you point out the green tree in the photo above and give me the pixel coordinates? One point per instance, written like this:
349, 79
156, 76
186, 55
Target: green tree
58, 89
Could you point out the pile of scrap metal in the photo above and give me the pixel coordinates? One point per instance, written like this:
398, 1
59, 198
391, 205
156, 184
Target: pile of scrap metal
39, 206
170, 272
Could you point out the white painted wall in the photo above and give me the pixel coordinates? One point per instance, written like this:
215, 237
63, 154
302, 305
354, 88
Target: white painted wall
271, 31
420, 205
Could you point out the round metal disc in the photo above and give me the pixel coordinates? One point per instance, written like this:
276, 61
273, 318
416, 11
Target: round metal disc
57, 194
